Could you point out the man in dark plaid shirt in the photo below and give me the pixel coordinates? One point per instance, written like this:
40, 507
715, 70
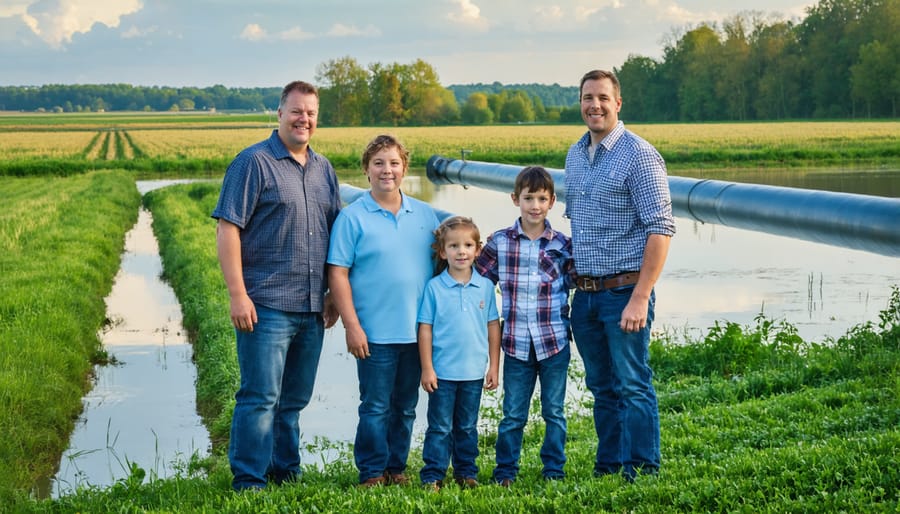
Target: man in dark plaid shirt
278, 202
617, 197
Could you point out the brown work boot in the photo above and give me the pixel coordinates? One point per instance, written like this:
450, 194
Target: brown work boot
373, 482
396, 478
466, 483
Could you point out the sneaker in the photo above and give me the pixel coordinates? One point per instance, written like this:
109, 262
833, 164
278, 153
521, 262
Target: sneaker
466, 483
372, 482
433, 486
395, 478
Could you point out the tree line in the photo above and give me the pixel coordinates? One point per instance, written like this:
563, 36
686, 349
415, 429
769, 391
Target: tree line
841, 61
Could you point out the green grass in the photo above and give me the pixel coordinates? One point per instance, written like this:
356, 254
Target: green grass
753, 418
60, 243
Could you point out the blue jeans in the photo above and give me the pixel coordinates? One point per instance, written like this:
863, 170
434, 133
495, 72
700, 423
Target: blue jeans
519, 378
278, 363
618, 374
452, 430
388, 392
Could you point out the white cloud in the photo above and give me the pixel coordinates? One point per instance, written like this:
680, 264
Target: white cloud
56, 21
10, 8
469, 15
341, 30
134, 32
254, 32
293, 34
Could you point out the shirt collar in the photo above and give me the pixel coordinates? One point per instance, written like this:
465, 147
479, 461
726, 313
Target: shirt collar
281, 152
372, 205
607, 142
449, 281
515, 231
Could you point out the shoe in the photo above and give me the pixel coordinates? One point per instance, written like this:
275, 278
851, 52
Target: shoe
466, 483
506, 482
282, 478
395, 478
433, 486
372, 482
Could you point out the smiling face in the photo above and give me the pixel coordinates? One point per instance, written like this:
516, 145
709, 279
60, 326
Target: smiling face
460, 249
298, 116
600, 104
533, 206
385, 170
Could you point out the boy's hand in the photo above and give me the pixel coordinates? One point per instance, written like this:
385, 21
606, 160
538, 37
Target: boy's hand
490, 380
357, 342
429, 381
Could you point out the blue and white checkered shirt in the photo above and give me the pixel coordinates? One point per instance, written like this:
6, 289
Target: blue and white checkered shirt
615, 201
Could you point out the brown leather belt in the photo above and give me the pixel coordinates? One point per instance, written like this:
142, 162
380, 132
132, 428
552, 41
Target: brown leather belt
594, 284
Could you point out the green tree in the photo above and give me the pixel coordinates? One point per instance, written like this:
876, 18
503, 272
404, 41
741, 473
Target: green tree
344, 92
476, 110
387, 100
517, 109
776, 61
697, 59
425, 100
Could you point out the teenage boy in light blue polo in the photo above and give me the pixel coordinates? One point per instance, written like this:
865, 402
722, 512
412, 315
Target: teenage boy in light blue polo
379, 261
534, 267
459, 334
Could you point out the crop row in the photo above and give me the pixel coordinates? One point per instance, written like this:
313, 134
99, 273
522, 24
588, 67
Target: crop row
187, 149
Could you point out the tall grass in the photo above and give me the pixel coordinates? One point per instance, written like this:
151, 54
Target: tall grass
60, 242
754, 419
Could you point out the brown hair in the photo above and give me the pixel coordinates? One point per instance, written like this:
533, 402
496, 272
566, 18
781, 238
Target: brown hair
598, 75
440, 235
533, 178
301, 87
383, 142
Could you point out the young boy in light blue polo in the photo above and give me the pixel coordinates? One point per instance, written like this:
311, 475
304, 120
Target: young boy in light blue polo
459, 333
533, 265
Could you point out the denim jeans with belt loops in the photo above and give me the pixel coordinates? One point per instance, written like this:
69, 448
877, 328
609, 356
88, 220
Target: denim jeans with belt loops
278, 362
618, 374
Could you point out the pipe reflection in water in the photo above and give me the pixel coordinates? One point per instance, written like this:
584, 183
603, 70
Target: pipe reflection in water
141, 410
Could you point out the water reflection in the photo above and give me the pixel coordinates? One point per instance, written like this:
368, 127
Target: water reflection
717, 273
141, 411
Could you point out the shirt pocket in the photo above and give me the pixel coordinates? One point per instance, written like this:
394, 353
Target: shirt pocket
547, 264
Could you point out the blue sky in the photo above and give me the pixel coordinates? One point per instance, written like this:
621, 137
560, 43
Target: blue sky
262, 43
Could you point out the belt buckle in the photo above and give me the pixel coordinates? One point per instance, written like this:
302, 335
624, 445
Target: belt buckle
591, 284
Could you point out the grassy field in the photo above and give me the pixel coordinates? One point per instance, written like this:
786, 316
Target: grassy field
753, 420
60, 242
202, 145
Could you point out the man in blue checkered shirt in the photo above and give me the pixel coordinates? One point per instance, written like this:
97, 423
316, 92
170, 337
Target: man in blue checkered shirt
617, 198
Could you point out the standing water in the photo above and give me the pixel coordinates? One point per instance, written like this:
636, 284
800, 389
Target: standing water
141, 410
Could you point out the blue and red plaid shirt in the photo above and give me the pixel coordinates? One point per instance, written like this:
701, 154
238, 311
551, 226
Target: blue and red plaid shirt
534, 277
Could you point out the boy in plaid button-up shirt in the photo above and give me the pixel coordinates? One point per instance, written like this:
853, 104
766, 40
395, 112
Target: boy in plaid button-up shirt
534, 267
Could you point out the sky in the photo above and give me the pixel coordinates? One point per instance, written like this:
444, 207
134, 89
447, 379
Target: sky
268, 43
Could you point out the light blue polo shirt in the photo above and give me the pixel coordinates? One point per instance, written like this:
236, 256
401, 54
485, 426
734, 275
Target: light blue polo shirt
390, 261
459, 315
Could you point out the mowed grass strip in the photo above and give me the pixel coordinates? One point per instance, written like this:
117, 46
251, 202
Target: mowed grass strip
60, 246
